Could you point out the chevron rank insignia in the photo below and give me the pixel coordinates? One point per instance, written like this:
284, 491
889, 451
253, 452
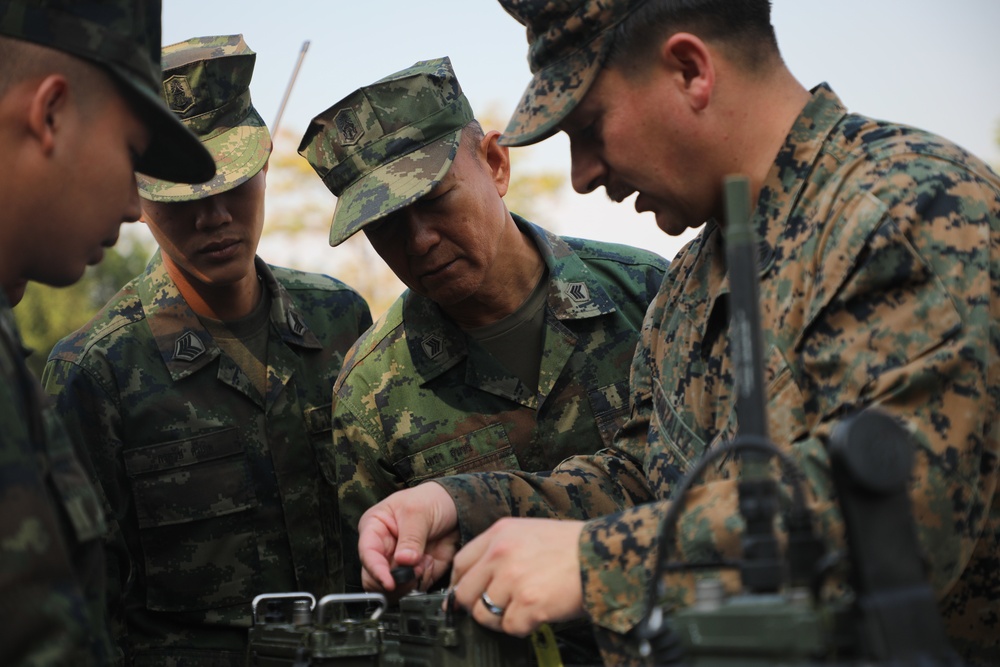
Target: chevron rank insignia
188, 347
433, 346
578, 292
296, 324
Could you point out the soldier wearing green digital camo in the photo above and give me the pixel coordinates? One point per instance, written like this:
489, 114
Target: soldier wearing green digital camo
511, 346
203, 388
880, 286
79, 112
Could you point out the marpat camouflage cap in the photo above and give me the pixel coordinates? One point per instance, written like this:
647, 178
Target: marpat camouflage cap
206, 83
386, 145
568, 44
124, 37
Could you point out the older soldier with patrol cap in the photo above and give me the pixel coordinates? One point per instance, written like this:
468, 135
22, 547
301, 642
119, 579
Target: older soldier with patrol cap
510, 348
79, 112
202, 390
880, 276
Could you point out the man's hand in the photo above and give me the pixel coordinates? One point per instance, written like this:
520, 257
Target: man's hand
416, 527
529, 568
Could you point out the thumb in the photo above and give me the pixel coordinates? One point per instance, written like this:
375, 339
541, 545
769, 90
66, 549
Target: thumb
411, 541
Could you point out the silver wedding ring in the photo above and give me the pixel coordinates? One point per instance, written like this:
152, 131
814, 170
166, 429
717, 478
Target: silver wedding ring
491, 607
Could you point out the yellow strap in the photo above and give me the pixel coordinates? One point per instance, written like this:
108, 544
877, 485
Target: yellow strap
546, 650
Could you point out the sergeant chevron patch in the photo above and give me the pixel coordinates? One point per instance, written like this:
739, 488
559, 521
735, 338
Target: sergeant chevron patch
188, 347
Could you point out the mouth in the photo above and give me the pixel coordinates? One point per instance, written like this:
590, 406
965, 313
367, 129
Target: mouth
440, 268
618, 193
222, 249
642, 204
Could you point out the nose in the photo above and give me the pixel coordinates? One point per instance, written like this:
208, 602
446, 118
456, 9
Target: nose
212, 212
588, 171
133, 206
420, 233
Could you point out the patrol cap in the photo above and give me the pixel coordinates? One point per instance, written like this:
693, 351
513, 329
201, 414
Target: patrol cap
568, 42
206, 83
387, 144
124, 37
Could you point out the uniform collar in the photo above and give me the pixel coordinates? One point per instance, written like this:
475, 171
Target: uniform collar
783, 187
790, 173
436, 343
185, 345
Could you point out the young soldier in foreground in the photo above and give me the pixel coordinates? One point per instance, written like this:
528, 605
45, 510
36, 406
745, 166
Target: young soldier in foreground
880, 277
79, 113
202, 390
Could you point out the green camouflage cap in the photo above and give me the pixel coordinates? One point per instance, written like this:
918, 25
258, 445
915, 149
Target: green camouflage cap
206, 83
568, 43
388, 144
124, 37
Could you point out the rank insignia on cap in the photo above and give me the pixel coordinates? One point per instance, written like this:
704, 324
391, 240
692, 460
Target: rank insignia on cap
433, 346
578, 292
188, 347
295, 323
177, 92
348, 127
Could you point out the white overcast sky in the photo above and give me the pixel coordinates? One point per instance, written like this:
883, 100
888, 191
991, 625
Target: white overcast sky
926, 63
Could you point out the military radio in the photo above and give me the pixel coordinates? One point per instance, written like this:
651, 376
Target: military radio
779, 616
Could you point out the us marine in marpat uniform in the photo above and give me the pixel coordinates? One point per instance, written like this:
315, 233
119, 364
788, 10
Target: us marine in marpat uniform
879, 287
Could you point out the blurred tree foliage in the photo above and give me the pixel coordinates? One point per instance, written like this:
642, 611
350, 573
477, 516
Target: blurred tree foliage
47, 314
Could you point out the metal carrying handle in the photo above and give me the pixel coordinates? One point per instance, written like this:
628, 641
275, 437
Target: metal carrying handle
281, 596
345, 598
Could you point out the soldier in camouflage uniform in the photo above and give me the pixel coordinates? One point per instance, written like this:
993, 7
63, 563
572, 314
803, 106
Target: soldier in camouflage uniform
880, 286
78, 110
511, 346
201, 390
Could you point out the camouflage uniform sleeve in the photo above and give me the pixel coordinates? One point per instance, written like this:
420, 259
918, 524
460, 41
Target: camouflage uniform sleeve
91, 417
46, 619
361, 473
581, 487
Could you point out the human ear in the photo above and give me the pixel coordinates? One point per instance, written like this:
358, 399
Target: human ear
498, 159
693, 67
47, 109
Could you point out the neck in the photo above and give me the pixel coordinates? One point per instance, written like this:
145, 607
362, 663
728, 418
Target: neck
227, 302
787, 102
509, 283
763, 112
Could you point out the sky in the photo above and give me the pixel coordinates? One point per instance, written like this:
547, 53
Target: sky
925, 63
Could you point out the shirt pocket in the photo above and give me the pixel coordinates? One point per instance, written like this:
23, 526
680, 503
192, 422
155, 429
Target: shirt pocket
193, 503
483, 450
610, 407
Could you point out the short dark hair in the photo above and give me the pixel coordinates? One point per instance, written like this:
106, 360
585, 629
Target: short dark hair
743, 25
472, 136
23, 60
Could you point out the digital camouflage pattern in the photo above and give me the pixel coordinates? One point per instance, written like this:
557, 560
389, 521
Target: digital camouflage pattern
123, 37
568, 42
418, 398
386, 145
206, 83
880, 286
214, 492
51, 556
